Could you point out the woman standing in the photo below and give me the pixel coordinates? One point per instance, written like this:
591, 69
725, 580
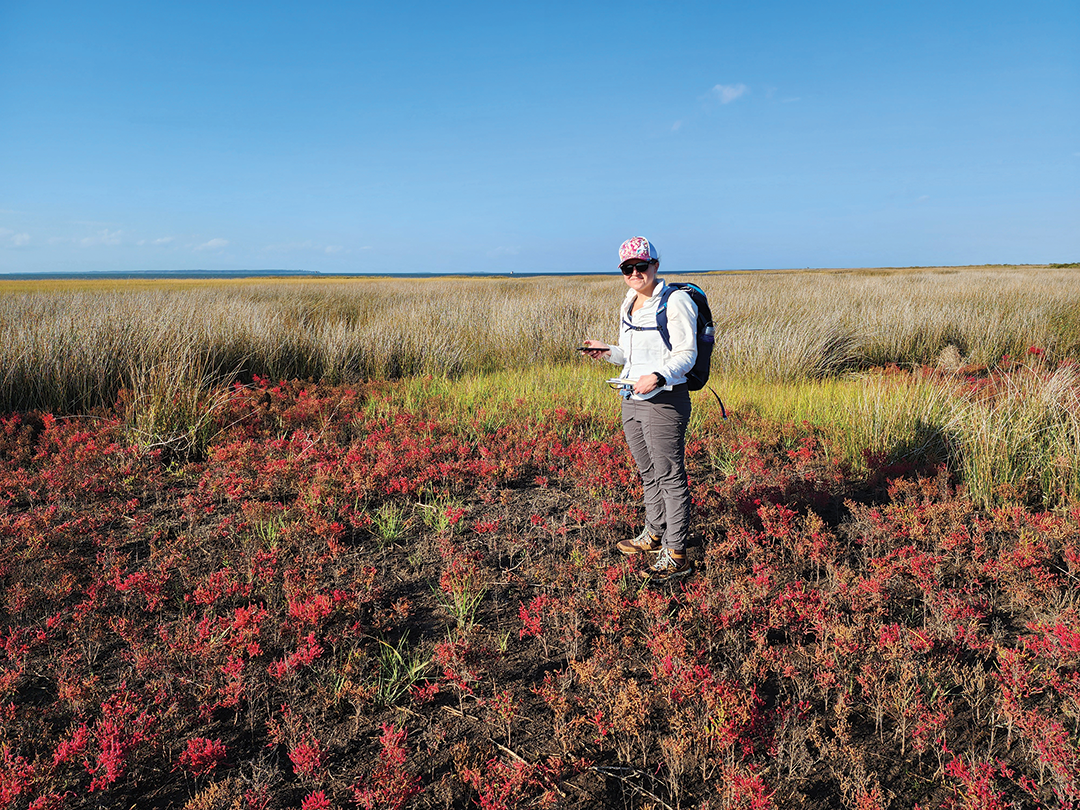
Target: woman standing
656, 404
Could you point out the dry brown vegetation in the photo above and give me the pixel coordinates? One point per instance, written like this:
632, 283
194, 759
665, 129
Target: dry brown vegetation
68, 346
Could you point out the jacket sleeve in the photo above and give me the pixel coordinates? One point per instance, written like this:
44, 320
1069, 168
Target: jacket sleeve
682, 329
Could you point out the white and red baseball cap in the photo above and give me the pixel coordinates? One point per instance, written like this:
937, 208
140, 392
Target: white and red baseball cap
640, 248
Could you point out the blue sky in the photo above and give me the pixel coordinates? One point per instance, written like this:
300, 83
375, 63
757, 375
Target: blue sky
496, 136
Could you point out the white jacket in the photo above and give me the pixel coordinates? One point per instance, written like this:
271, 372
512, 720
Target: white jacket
644, 352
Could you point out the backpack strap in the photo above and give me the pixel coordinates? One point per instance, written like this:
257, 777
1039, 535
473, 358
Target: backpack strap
633, 328
661, 313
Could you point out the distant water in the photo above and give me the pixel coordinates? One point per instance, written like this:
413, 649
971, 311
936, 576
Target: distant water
135, 274
214, 274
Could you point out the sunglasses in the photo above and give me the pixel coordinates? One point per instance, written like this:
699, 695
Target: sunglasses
641, 267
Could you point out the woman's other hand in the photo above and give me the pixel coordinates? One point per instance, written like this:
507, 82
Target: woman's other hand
646, 383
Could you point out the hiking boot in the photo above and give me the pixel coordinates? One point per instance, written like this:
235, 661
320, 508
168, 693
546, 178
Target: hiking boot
668, 565
644, 542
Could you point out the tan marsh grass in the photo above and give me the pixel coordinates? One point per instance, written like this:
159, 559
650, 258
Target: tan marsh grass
68, 347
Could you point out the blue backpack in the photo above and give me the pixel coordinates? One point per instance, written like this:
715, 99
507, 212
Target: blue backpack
699, 374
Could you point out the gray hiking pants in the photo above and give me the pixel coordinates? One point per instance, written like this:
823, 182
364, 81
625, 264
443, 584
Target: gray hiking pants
656, 432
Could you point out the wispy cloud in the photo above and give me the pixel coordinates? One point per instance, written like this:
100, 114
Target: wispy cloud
213, 244
165, 240
727, 93
102, 237
10, 238
676, 126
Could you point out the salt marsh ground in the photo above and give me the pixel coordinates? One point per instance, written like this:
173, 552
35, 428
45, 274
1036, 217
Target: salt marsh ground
349, 543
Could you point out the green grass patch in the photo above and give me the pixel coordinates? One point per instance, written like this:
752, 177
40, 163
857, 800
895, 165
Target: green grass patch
1021, 443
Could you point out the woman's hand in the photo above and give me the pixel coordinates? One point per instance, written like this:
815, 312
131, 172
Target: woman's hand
646, 383
595, 349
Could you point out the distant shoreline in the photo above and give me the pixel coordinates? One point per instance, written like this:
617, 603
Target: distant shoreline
253, 274
313, 274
